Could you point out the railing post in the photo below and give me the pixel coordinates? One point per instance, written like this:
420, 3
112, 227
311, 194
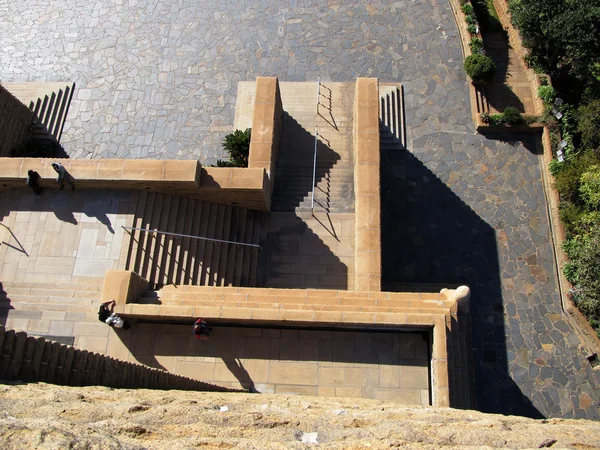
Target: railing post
312, 203
318, 92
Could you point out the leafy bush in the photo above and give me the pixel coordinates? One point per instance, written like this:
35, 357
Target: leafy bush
480, 67
530, 119
547, 94
237, 144
476, 45
589, 125
570, 215
467, 8
472, 29
512, 115
589, 187
554, 167
471, 19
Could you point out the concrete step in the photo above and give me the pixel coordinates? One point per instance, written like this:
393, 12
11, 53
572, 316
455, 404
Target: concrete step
97, 286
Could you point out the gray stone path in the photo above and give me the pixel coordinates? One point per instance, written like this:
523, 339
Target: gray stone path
158, 80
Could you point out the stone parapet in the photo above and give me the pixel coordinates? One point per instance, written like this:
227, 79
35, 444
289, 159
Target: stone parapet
367, 258
267, 123
244, 187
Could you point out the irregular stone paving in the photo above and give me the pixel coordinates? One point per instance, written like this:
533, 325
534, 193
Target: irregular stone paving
158, 80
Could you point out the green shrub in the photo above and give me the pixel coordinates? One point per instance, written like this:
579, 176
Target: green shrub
471, 19
480, 67
512, 115
570, 215
547, 94
476, 45
567, 180
472, 29
467, 8
554, 167
589, 187
237, 145
530, 119
589, 125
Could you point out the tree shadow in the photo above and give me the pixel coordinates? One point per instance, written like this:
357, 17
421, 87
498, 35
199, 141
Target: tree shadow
430, 237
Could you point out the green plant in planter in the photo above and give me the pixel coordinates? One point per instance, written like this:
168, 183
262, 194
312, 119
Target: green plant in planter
467, 8
472, 29
512, 116
480, 68
476, 45
547, 94
237, 145
471, 19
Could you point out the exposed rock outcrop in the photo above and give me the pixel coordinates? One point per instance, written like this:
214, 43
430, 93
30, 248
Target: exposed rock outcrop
46, 416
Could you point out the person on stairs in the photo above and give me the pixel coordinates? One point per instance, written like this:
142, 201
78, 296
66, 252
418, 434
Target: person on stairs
201, 329
107, 315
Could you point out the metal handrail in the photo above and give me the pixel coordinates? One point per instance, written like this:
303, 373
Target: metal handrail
312, 202
192, 237
318, 92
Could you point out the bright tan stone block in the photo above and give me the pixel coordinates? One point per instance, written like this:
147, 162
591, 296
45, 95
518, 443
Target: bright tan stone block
390, 318
368, 239
266, 90
441, 397
143, 170
367, 91
368, 263
37, 164
367, 179
110, 169
176, 311
181, 170
326, 391
11, 167
247, 178
281, 372
215, 177
414, 377
348, 392
359, 317
329, 316
440, 373
296, 316
355, 376
367, 211
116, 286
236, 313
260, 154
331, 376
265, 314
367, 116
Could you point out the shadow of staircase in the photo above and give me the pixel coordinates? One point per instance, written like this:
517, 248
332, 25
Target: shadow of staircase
168, 259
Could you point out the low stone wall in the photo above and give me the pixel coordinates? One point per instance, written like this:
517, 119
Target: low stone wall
123, 286
267, 121
367, 254
243, 187
33, 359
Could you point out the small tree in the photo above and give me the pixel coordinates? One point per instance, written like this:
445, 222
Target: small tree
480, 67
512, 115
589, 124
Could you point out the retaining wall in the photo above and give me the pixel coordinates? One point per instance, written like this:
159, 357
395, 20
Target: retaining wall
32, 359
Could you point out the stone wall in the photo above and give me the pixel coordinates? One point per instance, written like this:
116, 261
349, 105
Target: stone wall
267, 121
367, 257
238, 186
32, 359
15, 120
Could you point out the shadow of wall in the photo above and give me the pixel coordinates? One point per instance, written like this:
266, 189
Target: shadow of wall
431, 237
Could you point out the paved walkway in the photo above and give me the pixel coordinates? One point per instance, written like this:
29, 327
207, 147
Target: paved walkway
159, 80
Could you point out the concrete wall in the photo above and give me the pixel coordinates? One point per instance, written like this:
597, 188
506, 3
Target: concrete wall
15, 120
367, 257
267, 121
32, 359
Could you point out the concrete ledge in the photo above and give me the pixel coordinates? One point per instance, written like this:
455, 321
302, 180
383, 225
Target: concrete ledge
122, 286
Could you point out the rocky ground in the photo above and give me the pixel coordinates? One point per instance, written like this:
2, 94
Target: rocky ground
47, 417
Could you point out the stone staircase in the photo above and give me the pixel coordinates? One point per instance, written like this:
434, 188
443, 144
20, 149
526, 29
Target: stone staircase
166, 259
392, 123
50, 103
334, 187
29, 304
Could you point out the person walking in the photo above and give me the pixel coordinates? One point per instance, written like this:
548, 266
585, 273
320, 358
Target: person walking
32, 181
107, 315
63, 176
201, 329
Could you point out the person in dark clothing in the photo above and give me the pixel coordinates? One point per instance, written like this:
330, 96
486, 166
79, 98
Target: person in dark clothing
201, 329
106, 309
32, 181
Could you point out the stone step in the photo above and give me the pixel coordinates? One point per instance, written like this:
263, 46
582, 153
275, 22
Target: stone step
58, 286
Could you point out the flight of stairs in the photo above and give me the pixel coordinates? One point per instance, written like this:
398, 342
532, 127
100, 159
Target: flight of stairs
392, 124
334, 187
52, 111
164, 259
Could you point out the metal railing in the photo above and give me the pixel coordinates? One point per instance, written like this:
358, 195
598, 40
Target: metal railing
312, 201
191, 237
318, 92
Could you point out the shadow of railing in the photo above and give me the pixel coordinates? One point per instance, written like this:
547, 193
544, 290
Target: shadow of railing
431, 237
